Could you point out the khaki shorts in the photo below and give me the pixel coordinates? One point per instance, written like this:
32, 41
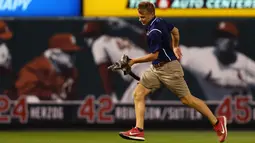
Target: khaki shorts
170, 74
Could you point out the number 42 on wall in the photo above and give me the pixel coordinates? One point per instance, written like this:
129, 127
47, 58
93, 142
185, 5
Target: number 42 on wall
102, 113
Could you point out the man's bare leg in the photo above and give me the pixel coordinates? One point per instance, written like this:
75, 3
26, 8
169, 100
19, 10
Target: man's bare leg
139, 101
137, 133
200, 106
219, 124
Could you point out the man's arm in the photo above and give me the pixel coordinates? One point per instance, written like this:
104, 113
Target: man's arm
146, 58
172, 42
155, 45
175, 37
175, 42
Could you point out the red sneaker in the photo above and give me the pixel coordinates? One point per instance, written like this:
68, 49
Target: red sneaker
221, 128
133, 134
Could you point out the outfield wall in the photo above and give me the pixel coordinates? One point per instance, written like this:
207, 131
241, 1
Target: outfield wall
51, 93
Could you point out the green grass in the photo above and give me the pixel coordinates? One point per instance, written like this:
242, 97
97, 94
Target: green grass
113, 137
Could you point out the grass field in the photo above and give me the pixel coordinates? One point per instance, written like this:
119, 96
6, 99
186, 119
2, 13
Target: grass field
113, 137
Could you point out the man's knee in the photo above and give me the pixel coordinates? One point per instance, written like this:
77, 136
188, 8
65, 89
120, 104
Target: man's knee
188, 100
140, 93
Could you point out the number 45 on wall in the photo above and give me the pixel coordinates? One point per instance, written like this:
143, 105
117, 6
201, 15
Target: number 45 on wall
236, 109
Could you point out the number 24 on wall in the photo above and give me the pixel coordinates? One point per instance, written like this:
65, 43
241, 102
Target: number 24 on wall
19, 110
238, 109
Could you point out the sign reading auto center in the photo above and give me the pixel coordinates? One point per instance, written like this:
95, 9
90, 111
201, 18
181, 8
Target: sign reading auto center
172, 8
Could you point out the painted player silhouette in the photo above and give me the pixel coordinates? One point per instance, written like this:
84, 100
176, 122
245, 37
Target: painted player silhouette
220, 69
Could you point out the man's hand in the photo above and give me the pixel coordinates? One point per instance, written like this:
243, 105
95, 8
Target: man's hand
122, 64
177, 52
131, 62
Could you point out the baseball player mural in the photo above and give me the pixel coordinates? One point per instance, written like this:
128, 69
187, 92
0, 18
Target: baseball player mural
5, 57
220, 69
51, 76
108, 49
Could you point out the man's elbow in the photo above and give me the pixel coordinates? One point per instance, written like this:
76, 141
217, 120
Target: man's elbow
154, 55
175, 31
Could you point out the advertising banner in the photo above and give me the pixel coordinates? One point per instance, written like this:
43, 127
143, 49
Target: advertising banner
54, 72
39, 8
172, 8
